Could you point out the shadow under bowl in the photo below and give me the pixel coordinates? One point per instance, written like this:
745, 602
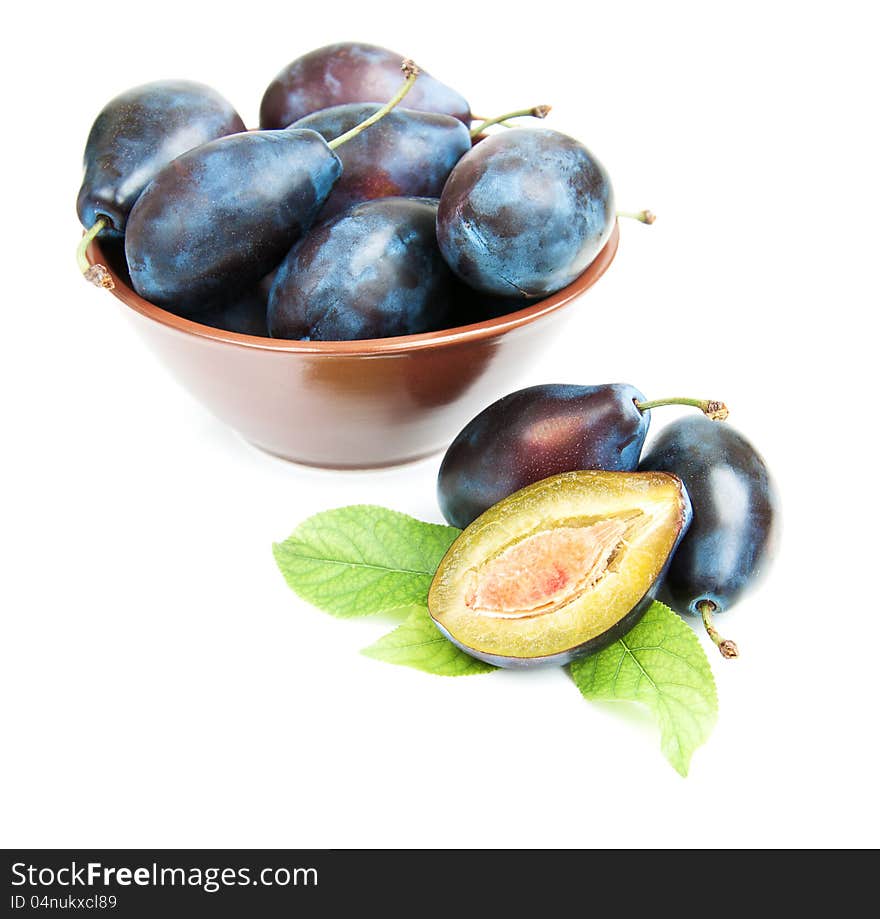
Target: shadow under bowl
353, 404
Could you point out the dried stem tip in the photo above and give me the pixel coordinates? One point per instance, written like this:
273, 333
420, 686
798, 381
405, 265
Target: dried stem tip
541, 111
642, 216
410, 68
717, 411
99, 276
95, 274
727, 648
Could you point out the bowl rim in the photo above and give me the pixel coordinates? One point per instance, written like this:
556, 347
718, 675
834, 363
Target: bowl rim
488, 328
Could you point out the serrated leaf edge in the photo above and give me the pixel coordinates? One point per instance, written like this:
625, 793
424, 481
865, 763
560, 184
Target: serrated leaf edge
680, 763
278, 548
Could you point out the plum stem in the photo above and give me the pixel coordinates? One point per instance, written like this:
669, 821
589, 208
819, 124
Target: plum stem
642, 216
411, 72
96, 274
714, 409
536, 111
727, 648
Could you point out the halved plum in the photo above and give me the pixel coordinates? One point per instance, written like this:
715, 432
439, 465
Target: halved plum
560, 568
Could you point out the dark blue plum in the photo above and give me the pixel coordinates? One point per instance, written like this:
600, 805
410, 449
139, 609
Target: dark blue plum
730, 539
373, 272
220, 217
524, 213
407, 153
350, 72
535, 433
136, 135
244, 313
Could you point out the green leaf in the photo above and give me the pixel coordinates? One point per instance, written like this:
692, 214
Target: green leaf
418, 643
359, 560
661, 664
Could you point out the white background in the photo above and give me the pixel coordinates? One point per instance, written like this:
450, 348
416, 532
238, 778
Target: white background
161, 686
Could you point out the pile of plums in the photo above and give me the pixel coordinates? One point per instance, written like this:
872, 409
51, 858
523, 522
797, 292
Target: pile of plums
571, 530
348, 216
345, 216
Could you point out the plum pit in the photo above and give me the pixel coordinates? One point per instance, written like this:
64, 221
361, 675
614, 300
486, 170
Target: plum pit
544, 571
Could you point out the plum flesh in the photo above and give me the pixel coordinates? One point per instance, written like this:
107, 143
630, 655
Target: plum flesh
561, 568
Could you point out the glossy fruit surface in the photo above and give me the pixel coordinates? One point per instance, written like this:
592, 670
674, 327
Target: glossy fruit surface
220, 217
408, 153
350, 72
137, 134
372, 272
729, 543
561, 568
534, 433
525, 212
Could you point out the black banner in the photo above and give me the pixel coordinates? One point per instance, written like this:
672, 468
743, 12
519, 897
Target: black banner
267, 883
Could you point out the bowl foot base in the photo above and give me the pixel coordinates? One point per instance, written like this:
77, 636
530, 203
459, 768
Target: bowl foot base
352, 466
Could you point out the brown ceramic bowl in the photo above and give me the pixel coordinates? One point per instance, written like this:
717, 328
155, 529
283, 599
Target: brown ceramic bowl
353, 404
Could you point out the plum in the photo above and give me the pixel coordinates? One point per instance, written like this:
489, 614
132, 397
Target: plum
372, 272
561, 568
524, 213
729, 545
136, 135
408, 153
220, 217
541, 431
349, 72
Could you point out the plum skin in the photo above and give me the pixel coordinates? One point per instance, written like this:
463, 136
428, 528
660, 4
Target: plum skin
525, 212
372, 272
534, 433
351, 72
220, 217
136, 135
408, 153
608, 637
730, 542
